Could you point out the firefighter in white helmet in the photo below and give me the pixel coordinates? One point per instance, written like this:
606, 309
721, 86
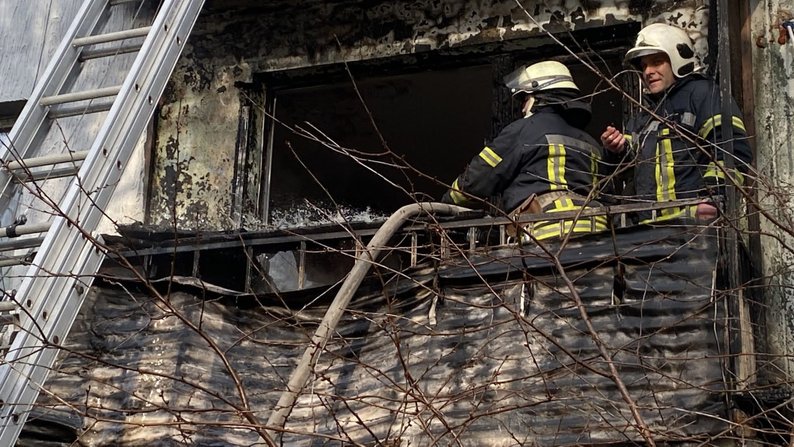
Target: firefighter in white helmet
679, 156
543, 162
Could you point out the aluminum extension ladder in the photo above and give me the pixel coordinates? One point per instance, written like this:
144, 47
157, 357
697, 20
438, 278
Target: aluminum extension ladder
55, 282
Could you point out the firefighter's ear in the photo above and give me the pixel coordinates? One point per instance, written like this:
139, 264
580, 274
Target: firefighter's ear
527, 108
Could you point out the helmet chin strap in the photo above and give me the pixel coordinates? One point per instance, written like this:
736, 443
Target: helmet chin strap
527, 109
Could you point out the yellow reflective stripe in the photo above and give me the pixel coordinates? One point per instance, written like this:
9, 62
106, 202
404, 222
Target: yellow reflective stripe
599, 220
490, 157
713, 170
545, 229
709, 125
674, 212
738, 177
563, 204
555, 166
738, 123
716, 121
657, 168
551, 170
665, 171
561, 169
627, 136
456, 195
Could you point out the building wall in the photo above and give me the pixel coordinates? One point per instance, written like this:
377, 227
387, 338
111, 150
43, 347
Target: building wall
773, 73
37, 32
198, 123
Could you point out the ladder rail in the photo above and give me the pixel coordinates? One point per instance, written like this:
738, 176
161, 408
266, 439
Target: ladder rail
29, 370
66, 246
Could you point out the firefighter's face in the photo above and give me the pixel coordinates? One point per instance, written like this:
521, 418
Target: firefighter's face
657, 71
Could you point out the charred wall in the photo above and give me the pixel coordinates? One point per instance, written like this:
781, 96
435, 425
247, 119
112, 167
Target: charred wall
198, 127
773, 79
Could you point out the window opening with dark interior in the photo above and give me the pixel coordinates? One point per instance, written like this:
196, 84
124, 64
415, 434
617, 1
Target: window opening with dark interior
373, 154
365, 149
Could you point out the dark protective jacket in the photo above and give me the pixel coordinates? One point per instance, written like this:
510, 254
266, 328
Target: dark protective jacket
545, 152
682, 155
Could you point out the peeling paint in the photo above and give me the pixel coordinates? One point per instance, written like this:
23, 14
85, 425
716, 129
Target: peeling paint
773, 67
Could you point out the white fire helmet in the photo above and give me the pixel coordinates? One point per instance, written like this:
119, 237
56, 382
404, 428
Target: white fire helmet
541, 76
668, 39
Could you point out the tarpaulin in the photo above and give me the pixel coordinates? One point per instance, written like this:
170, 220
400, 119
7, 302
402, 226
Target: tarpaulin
484, 348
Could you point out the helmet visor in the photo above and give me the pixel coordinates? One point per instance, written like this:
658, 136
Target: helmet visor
521, 81
518, 81
635, 53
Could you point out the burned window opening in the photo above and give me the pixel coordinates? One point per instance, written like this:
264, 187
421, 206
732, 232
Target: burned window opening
9, 112
328, 154
424, 121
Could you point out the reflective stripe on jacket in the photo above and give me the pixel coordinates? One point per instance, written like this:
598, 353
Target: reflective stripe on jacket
532, 155
669, 165
547, 229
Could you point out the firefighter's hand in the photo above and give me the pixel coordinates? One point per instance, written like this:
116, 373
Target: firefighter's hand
613, 140
706, 212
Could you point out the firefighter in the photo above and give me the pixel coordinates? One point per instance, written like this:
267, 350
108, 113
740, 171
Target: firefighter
680, 154
543, 162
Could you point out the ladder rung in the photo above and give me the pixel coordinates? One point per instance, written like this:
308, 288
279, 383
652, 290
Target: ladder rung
104, 52
111, 37
80, 96
49, 174
8, 306
80, 109
47, 160
16, 260
16, 244
19, 230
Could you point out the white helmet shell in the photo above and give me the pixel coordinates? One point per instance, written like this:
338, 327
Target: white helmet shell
541, 76
668, 39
